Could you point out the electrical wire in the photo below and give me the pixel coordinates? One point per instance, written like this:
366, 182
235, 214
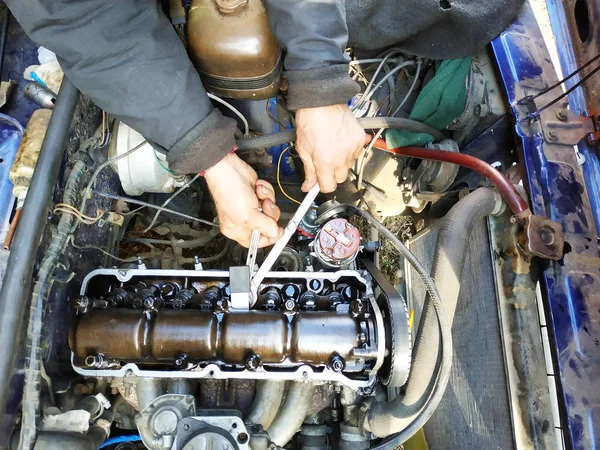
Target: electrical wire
169, 200
160, 163
367, 95
152, 206
563, 95
362, 162
234, 110
370, 85
568, 77
289, 197
93, 247
69, 209
101, 167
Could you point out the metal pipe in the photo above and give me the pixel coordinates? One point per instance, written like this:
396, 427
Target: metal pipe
292, 413
267, 401
16, 288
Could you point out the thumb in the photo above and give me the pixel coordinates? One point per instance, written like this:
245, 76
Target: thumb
263, 223
310, 175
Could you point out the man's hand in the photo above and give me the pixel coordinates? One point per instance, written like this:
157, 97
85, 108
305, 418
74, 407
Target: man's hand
238, 193
329, 140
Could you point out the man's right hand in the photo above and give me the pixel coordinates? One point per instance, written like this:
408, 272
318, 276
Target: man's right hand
238, 195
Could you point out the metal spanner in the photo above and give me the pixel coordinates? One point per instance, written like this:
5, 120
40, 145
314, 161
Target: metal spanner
289, 230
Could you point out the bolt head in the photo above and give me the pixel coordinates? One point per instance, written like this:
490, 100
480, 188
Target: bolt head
546, 236
290, 305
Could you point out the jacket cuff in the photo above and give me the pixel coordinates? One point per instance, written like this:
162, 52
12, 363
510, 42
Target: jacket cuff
320, 87
204, 145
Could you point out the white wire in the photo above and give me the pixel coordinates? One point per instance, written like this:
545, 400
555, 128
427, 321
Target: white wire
179, 191
234, 110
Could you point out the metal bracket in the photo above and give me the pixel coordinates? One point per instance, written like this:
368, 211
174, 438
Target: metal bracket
568, 129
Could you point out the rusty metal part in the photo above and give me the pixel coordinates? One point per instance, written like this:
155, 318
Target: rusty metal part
337, 243
569, 129
542, 237
40, 95
12, 229
22, 169
164, 335
233, 48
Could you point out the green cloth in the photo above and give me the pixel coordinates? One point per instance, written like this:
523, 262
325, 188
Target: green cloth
440, 102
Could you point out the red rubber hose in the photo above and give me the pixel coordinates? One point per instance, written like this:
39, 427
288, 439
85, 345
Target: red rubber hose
508, 191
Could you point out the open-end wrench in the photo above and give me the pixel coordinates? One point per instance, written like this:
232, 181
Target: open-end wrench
289, 230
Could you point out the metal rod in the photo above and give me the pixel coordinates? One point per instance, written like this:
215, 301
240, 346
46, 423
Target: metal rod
290, 229
16, 288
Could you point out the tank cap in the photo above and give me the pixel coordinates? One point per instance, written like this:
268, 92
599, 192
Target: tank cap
230, 6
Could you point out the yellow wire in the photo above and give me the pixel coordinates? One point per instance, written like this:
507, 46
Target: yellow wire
279, 181
411, 318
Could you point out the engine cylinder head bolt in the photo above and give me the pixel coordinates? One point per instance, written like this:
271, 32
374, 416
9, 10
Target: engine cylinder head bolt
100, 304
99, 362
197, 263
118, 297
335, 298
357, 308
82, 304
308, 301
315, 285
271, 298
152, 303
222, 304
289, 305
181, 361
182, 298
210, 297
253, 362
168, 291
140, 263
337, 364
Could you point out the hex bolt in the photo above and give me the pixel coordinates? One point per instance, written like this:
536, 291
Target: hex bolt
82, 304
561, 115
290, 304
186, 427
552, 135
253, 362
546, 236
337, 363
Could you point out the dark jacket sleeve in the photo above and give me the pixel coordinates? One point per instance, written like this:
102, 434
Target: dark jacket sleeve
314, 35
127, 58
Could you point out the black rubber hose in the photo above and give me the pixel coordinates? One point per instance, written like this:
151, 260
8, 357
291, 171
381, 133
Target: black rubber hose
405, 414
16, 287
31, 392
398, 123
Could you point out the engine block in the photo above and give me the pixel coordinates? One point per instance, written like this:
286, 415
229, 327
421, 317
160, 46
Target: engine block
325, 326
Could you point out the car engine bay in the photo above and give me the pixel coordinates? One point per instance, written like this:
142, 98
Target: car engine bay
150, 328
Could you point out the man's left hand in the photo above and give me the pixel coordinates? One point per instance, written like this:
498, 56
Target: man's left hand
329, 140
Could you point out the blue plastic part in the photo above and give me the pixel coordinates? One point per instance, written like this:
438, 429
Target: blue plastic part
568, 193
11, 133
275, 151
120, 439
34, 77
